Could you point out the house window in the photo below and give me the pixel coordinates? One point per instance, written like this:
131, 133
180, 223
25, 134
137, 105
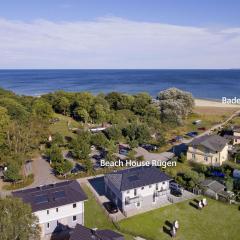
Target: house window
128, 191
56, 209
154, 198
206, 158
150, 186
74, 218
163, 183
135, 192
74, 205
47, 211
193, 156
216, 159
48, 225
138, 204
156, 186
142, 188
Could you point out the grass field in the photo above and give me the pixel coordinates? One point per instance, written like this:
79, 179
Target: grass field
62, 125
95, 216
217, 221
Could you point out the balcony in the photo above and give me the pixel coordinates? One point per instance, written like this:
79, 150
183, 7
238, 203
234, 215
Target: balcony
129, 200
161, 192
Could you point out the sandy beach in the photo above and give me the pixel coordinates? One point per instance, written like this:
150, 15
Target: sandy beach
212, 103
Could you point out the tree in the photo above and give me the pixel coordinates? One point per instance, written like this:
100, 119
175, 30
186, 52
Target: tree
141, 102
17, 221
88, 165
137, 132
80, 149
15, 110
98, 113
54, 153
63, 167
42, 109
99, 140
229, 183
12, 172
175, 105
114, 133
4, 123
81, 114
61, 105
182, 158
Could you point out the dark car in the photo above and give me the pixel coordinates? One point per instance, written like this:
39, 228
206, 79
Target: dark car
149, 147
192, 134
111, 207
175, 188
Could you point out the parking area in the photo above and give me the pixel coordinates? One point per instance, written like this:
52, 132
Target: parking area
97, 186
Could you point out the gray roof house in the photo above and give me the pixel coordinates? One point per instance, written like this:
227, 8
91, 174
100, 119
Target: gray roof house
58, 206
214, 189
208, 149
83, 233
137, 189
212, 142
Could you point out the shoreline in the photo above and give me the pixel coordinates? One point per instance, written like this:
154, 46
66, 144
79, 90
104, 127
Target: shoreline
201, 102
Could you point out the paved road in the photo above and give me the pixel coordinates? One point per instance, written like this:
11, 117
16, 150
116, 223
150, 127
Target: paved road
42, 173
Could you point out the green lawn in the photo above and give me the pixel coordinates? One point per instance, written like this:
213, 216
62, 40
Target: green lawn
95, 216
217, 221
62, 125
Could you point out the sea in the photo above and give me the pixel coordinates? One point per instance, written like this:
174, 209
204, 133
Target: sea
207, 84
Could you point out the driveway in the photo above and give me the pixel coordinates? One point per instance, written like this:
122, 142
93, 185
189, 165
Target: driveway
43, 173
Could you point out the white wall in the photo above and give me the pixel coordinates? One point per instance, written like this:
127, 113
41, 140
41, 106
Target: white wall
63, 212
146, 191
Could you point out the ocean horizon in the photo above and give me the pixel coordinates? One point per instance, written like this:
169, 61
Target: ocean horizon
204, 83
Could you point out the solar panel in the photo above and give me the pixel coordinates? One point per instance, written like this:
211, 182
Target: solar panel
59, 194
133, 178
41, 199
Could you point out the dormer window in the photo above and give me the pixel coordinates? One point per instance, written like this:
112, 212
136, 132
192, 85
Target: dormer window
74, 205
47, 211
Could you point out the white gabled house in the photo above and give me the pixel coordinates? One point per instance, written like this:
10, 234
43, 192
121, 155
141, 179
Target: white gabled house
58, 206
137, 189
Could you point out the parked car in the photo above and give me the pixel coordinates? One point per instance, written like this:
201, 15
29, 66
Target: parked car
196, 122
149, 147
111, 207
192, 134
202, 129
175, 188
123, 151
77, 168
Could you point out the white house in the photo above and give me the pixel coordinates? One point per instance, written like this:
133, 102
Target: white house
58, 206
137, 189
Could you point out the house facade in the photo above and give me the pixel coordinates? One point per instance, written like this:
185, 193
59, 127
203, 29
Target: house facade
58, 206
83, 233
137, 189
236, 135
208, 149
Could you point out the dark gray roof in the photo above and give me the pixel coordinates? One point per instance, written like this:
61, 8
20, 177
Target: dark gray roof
53, 195
212, 142
82, 233
213, 185
136, 177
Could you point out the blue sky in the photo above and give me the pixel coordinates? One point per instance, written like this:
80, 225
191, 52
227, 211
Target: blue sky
183, 12
119, 33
